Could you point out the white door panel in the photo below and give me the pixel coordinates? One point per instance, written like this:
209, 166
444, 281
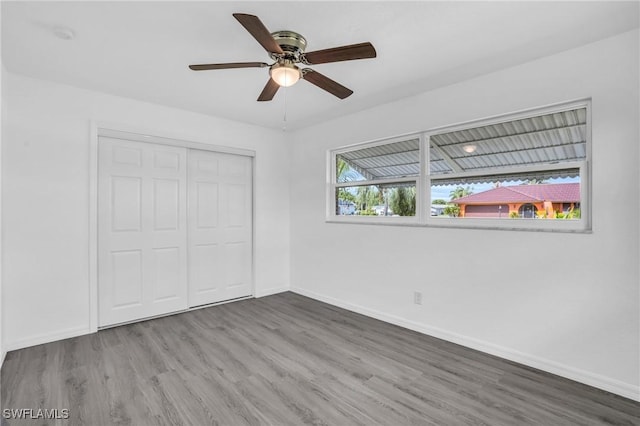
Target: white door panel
206, 268
126, 203
220, 227
206, 205
142, 230
166, 206
126, 271
167, 265
174, 229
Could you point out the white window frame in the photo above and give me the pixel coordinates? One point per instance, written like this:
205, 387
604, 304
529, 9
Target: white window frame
423, 180
334, 185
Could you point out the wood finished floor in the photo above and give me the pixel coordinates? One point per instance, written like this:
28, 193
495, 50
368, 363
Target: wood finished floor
289, 360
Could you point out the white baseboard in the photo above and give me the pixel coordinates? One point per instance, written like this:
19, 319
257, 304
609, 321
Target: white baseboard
270, 291
598, 381
47, 337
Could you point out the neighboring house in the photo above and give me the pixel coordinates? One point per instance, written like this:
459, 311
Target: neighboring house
437, 209
346, 207
383, 210
528, 201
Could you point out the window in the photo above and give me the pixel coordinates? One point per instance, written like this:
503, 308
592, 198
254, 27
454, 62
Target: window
378, 180
524, 171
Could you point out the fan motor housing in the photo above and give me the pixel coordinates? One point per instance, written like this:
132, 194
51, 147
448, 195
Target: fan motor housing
292, 43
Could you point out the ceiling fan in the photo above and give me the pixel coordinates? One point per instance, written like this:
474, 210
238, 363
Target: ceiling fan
287, 48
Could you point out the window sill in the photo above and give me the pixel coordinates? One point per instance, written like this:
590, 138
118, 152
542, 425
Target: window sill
529, 225
375, 220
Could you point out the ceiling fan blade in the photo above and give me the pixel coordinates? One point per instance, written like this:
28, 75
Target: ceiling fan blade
343, 53
257, 29
326, 83
204, 67
269, 91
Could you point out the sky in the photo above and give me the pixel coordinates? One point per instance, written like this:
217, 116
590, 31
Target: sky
442, 192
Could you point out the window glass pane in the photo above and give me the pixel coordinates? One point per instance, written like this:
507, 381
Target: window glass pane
545, 139
525, 169
529, 196
392, 160
376, 200
345, 172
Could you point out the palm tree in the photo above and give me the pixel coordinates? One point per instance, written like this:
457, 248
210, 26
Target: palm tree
366, 197
403, 201
460, 192
344, 172
534, 181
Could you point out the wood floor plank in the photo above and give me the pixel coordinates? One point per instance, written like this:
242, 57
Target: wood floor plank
289, 360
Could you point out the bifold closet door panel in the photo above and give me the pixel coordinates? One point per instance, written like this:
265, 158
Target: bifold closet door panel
142, 230
220, 227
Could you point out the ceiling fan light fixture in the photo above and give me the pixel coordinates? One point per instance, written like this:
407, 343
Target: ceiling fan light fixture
287, 48
285, 74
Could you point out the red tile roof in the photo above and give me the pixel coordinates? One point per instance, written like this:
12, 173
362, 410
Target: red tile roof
554, 192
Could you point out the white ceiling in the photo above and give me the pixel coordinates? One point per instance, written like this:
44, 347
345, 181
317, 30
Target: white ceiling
141, 50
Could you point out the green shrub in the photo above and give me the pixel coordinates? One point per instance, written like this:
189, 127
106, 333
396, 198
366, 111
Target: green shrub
367, 212
452, 210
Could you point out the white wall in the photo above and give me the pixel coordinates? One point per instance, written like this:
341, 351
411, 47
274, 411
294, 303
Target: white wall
2, 120
562, 302
566, 303
46, 198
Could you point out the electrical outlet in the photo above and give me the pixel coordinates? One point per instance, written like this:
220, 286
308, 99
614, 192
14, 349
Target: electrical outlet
417, 298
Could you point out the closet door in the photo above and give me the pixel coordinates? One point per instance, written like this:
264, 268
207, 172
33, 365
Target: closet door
142, 230
220, 227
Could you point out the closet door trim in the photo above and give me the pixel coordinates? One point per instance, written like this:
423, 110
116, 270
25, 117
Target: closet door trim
119, 131
172, 141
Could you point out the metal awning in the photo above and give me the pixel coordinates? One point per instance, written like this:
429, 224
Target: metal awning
546, 139
393, 160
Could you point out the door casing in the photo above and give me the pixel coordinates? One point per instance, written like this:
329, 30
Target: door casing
120, 131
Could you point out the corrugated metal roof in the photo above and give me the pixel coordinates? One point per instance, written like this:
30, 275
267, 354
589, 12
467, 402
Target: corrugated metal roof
552, 138
397, 159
